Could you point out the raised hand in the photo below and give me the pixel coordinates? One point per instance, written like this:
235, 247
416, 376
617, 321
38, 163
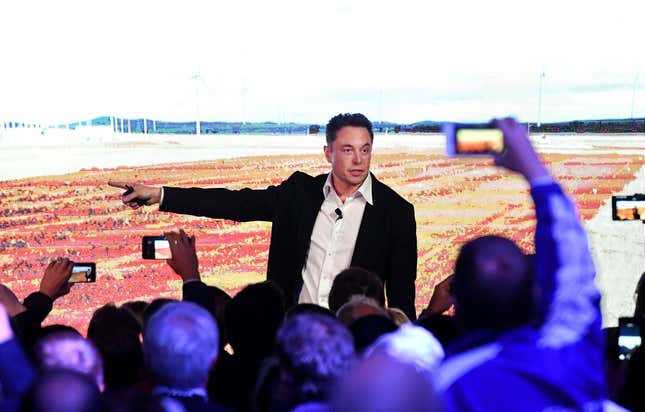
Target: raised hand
519, 155
441, 299
184, 256
55, 279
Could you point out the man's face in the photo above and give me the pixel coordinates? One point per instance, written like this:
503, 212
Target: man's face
350, 155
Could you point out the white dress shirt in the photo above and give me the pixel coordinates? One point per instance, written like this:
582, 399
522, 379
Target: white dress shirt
332, 240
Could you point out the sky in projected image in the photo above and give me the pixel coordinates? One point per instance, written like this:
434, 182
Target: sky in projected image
304, 61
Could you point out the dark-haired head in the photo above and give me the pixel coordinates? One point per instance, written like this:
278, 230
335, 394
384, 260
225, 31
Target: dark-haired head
116, 332
346, 119
355, 281
153, 307
493, 284
309, 308
252, 318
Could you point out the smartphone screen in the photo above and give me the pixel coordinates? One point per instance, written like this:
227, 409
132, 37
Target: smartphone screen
83, 272
629, 337
162, 249
479, 141
628, 207
473, 139
155, 247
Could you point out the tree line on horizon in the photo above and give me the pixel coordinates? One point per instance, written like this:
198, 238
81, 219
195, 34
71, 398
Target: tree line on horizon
213, 127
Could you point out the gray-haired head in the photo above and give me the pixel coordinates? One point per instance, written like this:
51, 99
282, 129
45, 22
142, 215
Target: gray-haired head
314, 350
70, 351
410, 344
359, 306
180, 345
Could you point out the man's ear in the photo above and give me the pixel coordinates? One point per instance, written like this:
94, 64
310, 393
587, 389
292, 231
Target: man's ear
327, 150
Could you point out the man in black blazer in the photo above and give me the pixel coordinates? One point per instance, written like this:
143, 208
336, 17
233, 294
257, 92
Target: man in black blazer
320, 225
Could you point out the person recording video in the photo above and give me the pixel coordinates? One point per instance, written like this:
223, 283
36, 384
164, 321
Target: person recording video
533, 340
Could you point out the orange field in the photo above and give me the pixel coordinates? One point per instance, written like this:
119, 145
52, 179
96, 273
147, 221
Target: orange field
78, 215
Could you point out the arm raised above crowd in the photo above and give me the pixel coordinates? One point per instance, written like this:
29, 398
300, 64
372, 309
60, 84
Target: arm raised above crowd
184, 256
519, 155
53, 285
564, 270
185, 263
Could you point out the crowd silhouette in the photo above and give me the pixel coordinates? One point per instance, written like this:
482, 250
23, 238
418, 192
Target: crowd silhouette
507, 331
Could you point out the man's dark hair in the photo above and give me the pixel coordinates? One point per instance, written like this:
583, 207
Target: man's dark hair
253, 317
137, 308
368, 329
153, 307
314, 351
493, 284
115, 332
355, 281
347, 119
302, 308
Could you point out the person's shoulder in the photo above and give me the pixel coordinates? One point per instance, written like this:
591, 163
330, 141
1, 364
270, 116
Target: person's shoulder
382, 191
301, 178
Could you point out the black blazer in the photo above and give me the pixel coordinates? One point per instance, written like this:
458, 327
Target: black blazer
386, 242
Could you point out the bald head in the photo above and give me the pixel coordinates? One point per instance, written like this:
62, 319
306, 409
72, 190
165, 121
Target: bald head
383, 384
493, 284
61, 390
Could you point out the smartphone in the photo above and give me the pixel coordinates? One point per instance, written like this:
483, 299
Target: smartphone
628, 207
473, 139
155, 247
83, 273
629, 337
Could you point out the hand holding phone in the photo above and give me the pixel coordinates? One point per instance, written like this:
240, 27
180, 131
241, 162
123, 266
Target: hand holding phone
155, 247
473, 139
629, 337
184, 255
83, 273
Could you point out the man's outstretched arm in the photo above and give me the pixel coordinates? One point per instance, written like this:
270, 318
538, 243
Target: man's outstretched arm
238, 205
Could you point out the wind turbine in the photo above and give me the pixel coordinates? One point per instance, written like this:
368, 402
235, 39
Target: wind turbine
197, 77
634, 94
539, 116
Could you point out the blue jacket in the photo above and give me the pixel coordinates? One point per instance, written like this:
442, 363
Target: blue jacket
16, 375
557, 366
